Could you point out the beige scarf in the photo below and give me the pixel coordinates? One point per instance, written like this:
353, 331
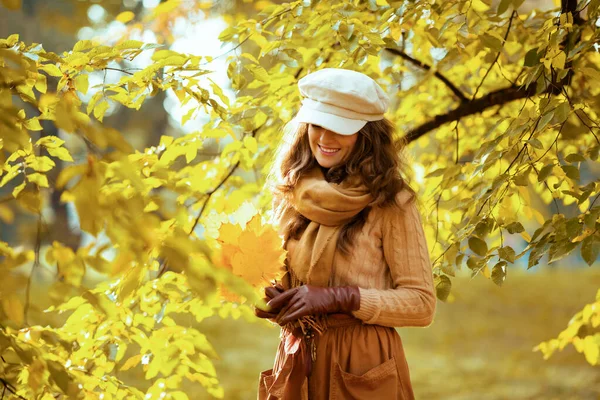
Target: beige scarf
328, 206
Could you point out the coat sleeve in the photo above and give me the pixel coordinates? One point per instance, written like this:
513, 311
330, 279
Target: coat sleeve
411, 301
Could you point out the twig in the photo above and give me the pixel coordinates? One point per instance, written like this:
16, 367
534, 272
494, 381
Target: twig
36, 263
117, 69
592, 203
427, 67
210, 193
8, 386
497, 55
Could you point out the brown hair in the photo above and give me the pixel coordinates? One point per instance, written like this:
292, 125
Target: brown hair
376, 157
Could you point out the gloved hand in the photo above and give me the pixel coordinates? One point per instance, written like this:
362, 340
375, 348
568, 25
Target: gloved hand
270, 293
308, 300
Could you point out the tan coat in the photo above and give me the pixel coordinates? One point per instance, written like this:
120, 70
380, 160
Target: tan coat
364, 359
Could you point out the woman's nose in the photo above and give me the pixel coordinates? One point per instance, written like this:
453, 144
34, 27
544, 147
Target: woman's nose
327, 135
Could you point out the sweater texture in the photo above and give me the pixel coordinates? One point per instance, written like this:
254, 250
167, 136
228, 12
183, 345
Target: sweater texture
389, 262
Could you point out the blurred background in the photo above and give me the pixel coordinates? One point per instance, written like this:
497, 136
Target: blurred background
480, 344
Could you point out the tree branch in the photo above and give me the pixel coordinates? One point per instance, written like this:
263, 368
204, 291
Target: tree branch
500, 96
427, 67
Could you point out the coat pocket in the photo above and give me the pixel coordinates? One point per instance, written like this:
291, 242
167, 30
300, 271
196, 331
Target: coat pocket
265, 381
380, 382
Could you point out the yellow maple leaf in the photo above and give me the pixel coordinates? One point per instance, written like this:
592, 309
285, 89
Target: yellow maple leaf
254, 252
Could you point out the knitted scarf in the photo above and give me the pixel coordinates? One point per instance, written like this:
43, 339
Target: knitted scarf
328, 206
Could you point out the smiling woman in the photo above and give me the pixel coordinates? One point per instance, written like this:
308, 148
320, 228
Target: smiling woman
330, 148
357, 260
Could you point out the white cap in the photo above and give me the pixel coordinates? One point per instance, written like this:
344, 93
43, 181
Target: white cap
340, 100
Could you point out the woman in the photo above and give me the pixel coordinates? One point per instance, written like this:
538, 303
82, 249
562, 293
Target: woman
357, 262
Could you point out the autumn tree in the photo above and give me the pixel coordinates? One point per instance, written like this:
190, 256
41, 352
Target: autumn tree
494, 101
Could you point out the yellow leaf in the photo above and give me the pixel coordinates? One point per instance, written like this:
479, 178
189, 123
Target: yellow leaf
258, 256
61, 153
30, 200
125, 17
131, 281
14, 5
6, 214
41, 84
591, 349
131, 362
13, 308
51, 70
41, 164
39, 179
229, 234
69, 173
486, 271
33, 124
251, 144
18, 189
82, 83
100, 110
50, 142
559, 60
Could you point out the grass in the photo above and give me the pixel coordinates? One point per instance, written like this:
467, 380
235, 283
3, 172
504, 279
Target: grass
479, 346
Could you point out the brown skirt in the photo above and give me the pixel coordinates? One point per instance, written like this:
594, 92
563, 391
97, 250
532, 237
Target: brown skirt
353, 361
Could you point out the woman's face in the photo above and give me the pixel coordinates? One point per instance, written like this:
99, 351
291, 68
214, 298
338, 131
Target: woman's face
330, 148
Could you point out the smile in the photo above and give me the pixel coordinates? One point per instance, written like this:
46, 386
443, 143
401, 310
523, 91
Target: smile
327, 150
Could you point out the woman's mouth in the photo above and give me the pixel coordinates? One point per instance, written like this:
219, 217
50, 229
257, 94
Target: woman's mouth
328, 150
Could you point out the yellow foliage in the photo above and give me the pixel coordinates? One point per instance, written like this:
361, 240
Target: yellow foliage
252, 251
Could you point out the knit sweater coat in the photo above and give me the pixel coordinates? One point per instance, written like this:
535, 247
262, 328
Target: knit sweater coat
389, 262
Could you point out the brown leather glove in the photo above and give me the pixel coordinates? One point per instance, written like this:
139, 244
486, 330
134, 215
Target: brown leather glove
308, 300
270, 293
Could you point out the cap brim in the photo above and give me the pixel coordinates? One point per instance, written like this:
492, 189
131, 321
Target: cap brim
334, 123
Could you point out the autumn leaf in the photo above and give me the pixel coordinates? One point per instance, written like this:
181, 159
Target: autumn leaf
253, 252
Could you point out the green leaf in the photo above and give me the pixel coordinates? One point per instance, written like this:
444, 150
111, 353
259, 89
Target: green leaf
443, 286
491, 41
507, 253
562, 112
478, 246
499, 273
590, 246
532, 58
522, 179
503, 6
515, 227
545, 172
574, 157
571, 171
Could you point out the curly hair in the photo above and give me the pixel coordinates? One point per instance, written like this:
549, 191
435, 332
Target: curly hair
376, 157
